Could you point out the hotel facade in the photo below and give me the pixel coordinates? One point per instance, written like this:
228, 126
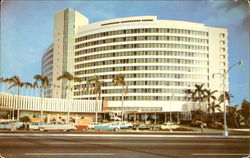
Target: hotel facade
159, 58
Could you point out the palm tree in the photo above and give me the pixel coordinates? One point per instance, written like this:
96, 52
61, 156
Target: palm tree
35, 85
67, 77
228, 97
44, 83
209, 97
245, 112
97, 89
120, 80
16, 82
27, 85
2, 81
234, 114
213, 107
8, 80
198, 94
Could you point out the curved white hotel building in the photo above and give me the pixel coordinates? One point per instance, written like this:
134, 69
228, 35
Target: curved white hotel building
159, 58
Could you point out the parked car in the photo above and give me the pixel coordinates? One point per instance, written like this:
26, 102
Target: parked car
81, 127
57, 126
140, 127
123, 125
197, 123
11, 125
169, 125
93, 124
35, 125
115, 118
108, 126
216, 125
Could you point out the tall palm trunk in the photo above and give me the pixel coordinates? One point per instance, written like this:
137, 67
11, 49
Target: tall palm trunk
42, 96
96, 108
70, 101
18, 103
200, 108
122, 102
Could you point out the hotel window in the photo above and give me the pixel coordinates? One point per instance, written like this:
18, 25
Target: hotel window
222, 49
222, 71
222, 35
222, 64
222, 56
222, 42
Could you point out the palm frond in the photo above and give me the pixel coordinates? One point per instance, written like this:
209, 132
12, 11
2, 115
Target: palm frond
77, 79
13, 85
35, 84
38, 77
27, 84
66, 75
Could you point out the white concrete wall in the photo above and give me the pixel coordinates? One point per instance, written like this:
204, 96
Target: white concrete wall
8, 101
217, 56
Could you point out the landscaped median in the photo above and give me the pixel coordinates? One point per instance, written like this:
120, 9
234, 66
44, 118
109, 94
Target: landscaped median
154, 129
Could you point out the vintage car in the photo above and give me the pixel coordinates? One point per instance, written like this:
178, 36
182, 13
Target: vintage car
216, 125
11, 125
197, 123
81, 127
123, 125
169, 125
140, 127
93, 124
35, 125
57, 126
108, 126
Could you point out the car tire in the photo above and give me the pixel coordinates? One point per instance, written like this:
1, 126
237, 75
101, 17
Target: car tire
41, 129
116, 129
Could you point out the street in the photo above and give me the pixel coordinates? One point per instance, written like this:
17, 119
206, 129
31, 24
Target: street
139, 146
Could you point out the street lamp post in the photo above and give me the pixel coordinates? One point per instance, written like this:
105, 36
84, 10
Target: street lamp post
171, 107
240, 63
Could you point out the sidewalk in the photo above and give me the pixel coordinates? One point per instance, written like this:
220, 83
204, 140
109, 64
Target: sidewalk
132, 132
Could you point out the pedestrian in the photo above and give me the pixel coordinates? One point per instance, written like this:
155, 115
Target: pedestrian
13, 126
201, 128
25, 126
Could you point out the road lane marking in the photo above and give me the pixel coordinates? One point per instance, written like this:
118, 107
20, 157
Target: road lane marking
131, 143
121, 135
219, 154
69, 154
62, 143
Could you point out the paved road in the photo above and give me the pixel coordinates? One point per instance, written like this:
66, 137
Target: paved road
106, 146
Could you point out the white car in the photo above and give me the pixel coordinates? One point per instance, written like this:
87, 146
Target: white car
169, 125
57, 126
93, 124
108, 126
123, 125
35, 125
10, 124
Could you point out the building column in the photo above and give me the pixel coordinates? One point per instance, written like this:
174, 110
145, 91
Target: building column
165, 117
48, 118
155, 118
57, 117
178, 118
76, 118
134, 117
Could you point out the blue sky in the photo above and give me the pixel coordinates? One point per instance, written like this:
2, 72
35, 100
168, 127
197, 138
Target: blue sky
27, 30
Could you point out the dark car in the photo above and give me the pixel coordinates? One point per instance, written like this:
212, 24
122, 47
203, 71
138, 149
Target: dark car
140, 127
